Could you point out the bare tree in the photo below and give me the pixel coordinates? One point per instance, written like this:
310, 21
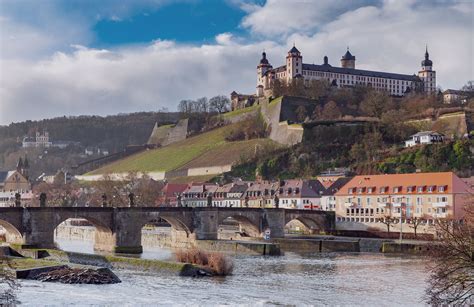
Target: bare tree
451, 282
388, 221
219, 104
301, 113
331, 110
375, 103
417, 221
201, 105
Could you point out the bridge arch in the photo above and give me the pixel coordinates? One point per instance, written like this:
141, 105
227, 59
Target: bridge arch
103, 234
248, 226
312, 223
12, 233
176, 223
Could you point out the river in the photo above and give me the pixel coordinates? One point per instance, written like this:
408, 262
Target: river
292, 279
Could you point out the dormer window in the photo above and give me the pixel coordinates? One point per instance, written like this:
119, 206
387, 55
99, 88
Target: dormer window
420, 189
383, 190
360, 190
297, 190
431, 188
411, 189
397, 189
351, 190
442, 188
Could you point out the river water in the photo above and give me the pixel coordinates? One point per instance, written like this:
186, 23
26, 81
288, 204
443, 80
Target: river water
293, 279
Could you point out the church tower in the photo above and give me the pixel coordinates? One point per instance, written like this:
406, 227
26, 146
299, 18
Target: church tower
262, 79
427, 74
294, 64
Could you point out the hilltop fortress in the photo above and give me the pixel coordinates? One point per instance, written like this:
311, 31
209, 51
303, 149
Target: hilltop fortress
345, 76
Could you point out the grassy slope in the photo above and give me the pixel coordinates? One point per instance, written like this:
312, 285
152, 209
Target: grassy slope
206, 149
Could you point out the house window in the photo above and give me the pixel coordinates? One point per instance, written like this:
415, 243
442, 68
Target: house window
431, 188
442, 188
420, 189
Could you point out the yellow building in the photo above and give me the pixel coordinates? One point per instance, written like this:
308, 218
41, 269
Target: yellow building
366, 199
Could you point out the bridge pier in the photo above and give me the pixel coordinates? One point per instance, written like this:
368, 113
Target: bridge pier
206, 224
119, 229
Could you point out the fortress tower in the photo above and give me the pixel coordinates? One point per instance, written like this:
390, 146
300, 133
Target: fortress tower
294, 63
348, 60
427, 74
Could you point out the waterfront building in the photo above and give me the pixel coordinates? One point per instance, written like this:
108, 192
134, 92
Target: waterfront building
347, 75
13, 182
261, 194
328, 199
300, 194
230, 195
196, 194
366, 199
330, 176
424, 137
170, 193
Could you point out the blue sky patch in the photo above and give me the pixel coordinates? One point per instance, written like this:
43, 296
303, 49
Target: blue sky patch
196, 22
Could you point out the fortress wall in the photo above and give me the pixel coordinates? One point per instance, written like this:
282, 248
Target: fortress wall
177, 133
241, 117
120, 176
450, 124
209, 170
281, 132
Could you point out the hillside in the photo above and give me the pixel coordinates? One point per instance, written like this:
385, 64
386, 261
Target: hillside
204, 150
111, 133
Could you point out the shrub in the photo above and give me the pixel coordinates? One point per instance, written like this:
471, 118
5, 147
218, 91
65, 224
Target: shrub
218, 263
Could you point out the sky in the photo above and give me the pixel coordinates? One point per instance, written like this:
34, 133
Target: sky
84, 57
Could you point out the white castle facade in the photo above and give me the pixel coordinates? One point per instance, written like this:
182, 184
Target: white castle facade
345, 76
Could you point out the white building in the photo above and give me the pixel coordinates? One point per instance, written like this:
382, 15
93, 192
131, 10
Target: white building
40, 140
455, 96
300, 194
345, 76
424, 137
328, 198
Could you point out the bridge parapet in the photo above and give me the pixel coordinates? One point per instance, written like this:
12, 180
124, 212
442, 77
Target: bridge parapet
119, 229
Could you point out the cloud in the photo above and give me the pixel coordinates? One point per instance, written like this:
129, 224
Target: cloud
392, 38
281, 17
93, 81
49, 70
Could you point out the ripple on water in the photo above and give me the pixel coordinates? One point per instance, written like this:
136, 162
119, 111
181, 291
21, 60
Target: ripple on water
320, 279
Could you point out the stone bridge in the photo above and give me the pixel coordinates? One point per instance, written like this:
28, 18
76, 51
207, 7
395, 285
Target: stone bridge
119, 229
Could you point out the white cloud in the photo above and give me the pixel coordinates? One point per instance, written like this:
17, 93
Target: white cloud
50, 71
282, 17
393, 37
91, 81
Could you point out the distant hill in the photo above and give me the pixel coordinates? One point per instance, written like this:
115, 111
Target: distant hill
111, 133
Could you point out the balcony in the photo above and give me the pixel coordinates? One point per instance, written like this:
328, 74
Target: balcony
348, 205
440, 215
442, 204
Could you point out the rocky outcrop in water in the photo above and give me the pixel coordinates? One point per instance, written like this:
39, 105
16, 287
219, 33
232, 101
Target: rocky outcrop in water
69, 275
